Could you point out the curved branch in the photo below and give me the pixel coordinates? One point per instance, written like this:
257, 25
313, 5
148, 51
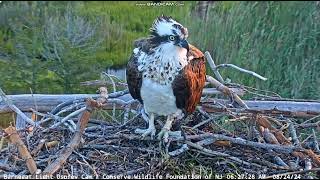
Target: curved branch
242, 70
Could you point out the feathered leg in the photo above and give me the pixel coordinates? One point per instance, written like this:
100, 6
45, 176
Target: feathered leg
151, 129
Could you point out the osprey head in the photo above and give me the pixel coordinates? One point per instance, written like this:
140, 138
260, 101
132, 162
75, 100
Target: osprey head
166, 30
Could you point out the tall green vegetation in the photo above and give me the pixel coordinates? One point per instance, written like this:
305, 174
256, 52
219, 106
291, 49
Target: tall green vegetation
279, 40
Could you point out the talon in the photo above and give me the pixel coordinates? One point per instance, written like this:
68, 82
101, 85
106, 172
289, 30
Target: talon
146, 132
164, 135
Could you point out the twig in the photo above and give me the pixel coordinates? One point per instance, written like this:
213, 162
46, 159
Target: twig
15, 109
114, 90
308, 125
274, 95
226, 91
213, 66
268, 164
25, 154
102, 147
68, 103
315, 141
1, 142
87, 164
279, 148
280, 162
210, 118
242, 70
8, 168
215, 153
179, 151
128, 121
214, 91
70, 108
293, 133
77, 112
51, 144
202, 123
126, 114
306, 139
237, 119
37, 149
311, 119
99, 127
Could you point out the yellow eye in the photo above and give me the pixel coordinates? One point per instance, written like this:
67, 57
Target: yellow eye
171, 38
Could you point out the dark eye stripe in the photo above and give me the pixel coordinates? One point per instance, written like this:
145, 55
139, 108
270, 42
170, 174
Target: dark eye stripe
156, 40
161, 39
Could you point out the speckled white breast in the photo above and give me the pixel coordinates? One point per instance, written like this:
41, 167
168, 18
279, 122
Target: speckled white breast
157, 98
158, 72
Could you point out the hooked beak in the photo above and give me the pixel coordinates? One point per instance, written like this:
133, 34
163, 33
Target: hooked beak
184, 44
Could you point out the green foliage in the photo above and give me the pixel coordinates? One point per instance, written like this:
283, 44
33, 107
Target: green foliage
279, 40
53, 52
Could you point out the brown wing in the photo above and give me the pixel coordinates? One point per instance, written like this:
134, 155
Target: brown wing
188, 85
134, 78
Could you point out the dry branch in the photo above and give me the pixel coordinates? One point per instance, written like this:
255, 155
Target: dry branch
226, 91
213, 66
265, 123
77, 112
214, 91
242, 70
38, 148
240, 141
215, 153
24, 153
308, 125
315, 141
8, 168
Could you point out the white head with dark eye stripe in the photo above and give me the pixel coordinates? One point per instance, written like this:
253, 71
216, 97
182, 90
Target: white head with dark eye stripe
167, 31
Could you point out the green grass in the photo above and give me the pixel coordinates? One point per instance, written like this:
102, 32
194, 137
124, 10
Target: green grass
279, 40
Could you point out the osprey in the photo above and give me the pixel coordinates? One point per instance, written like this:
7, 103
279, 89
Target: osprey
166, 74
